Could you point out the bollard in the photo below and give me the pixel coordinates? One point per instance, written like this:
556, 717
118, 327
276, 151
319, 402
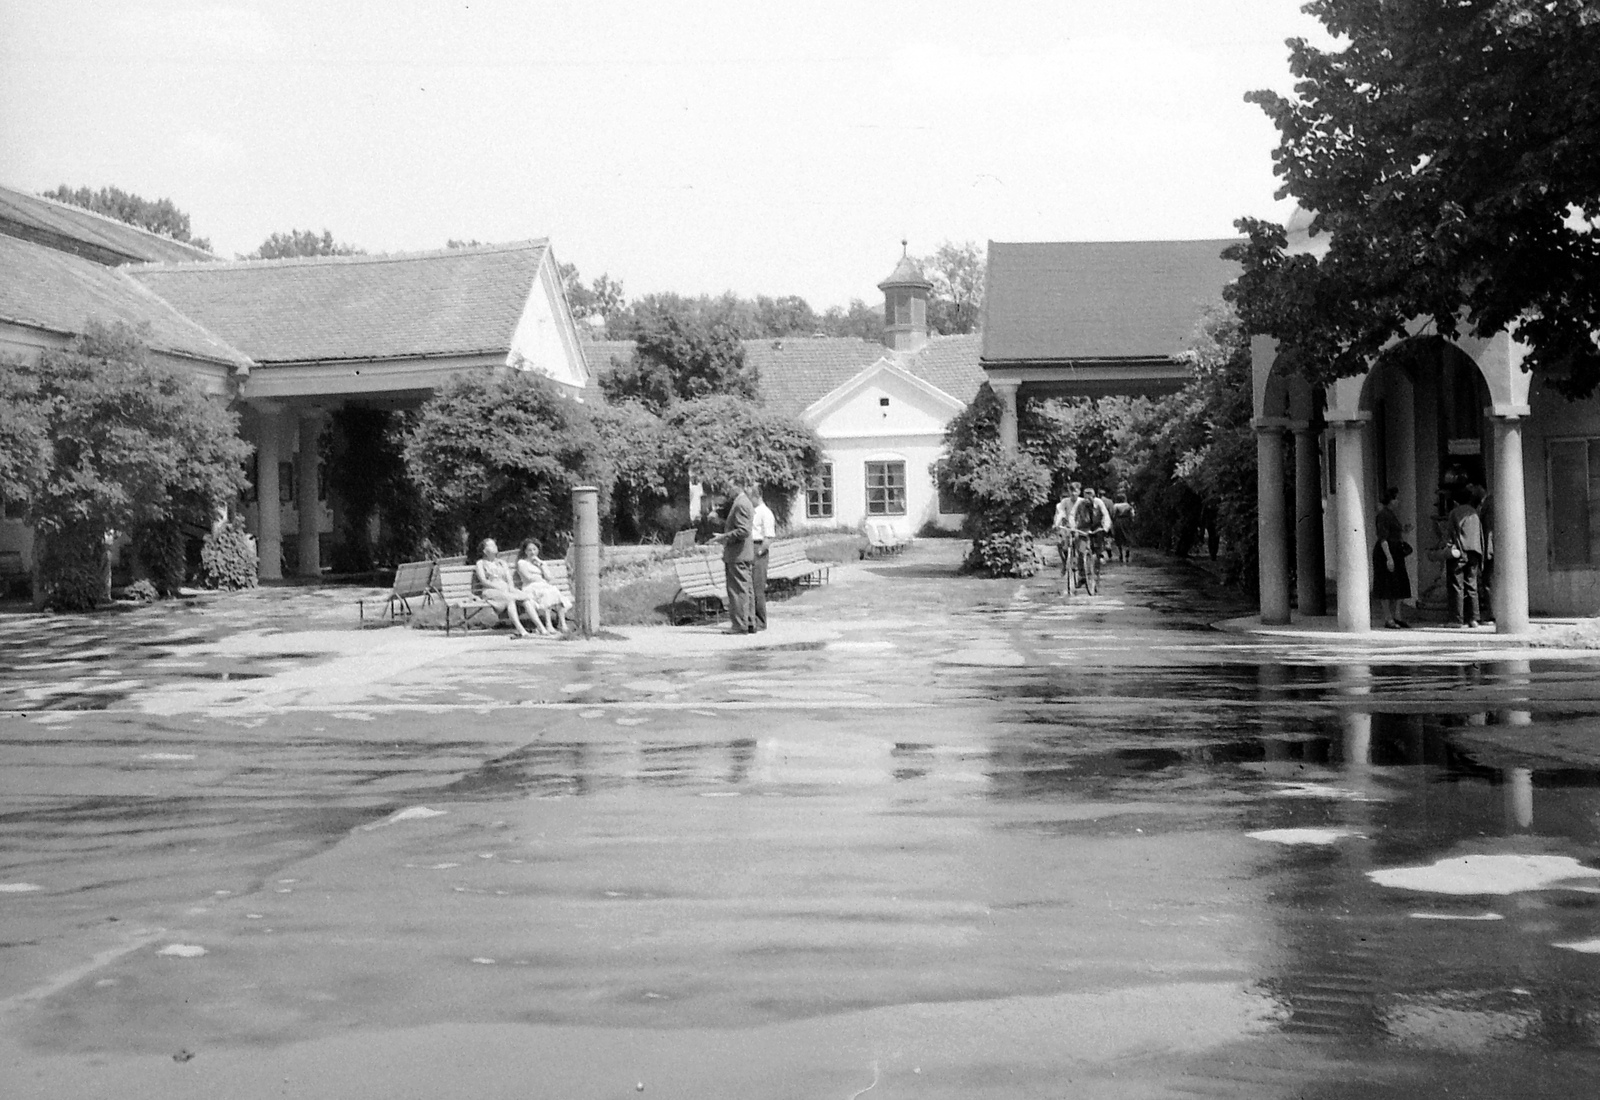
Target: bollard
586, 558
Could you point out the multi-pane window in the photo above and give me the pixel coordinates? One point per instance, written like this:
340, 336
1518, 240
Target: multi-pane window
819, 494
886, 488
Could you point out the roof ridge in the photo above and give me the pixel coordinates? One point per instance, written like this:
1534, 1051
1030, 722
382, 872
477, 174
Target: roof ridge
362, 258
1140, 240
122, 273
118, 222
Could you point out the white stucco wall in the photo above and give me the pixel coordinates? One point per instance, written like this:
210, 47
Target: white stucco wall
858, 427
545, 339
1552, 590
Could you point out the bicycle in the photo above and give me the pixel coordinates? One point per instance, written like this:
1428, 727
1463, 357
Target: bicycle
1087, 546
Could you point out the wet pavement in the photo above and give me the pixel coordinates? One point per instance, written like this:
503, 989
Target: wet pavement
929, 836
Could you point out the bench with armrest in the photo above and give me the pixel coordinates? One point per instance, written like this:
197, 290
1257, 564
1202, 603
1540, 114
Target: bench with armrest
702, 582
683, 541
787, 562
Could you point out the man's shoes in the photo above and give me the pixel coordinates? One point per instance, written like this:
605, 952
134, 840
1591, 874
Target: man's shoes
1472, 624
1402, 624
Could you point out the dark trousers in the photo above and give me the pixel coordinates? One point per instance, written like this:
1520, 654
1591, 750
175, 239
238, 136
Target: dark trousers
738, 576
758, 587
1462, 576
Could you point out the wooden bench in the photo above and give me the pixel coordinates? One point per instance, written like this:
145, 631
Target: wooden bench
787, 562
457, 585
411, 579
702, 582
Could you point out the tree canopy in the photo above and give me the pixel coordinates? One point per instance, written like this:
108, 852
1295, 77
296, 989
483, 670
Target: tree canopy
499, 453
157, 215
957, 273
1451, 149
99, 439
682, 359
724, 442
304, 242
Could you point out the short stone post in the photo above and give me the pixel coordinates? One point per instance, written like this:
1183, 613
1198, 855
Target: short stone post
586, 558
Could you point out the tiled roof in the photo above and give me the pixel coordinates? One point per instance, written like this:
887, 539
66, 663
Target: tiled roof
458, 301
798, 370
599, 354
93, 236
951, 363
1099, 300
56, 291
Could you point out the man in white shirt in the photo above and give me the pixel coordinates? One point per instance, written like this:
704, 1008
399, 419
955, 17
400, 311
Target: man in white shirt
763, 529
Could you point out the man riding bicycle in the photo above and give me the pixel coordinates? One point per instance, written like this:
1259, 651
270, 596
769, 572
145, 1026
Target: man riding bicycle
1088, 529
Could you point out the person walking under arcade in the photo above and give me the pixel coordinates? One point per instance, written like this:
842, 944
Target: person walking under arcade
1391, 582
1465, 558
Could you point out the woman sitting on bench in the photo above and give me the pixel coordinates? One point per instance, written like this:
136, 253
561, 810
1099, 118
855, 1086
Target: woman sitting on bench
550, 606
500, 591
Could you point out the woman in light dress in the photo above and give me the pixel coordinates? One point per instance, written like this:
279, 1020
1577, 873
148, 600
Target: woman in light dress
499, 588
549, 602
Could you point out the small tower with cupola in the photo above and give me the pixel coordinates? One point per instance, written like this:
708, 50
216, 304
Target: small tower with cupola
905, 304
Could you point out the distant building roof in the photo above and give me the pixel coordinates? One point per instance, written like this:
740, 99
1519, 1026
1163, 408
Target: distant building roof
1099, 299
459, 301
57, 292
796, 371
81, 232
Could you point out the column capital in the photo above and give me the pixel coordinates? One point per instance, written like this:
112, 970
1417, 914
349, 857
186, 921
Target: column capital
999, 384
1508, 412
1353, 419
1265, 424
265, 407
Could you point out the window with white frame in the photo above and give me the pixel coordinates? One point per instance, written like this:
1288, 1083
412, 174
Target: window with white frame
886, 488
819, 494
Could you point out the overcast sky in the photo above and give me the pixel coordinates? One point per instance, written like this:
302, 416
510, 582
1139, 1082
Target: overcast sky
703, 146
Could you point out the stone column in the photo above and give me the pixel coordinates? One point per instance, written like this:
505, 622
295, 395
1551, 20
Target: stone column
1510, 522
269, 521
1271, 531
1354, 580
306, 503
1311, 589
1007, 393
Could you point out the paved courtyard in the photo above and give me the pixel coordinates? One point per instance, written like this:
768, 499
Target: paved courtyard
928, 836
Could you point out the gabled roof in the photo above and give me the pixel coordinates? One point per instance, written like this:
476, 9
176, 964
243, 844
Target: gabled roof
796, 371
1099, 299
57, 292
84, 233
409, 305
887, 364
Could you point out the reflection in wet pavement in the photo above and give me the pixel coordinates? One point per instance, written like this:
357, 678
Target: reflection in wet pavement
1389, 866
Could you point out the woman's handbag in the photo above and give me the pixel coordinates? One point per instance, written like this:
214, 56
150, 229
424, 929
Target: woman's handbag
1406, 549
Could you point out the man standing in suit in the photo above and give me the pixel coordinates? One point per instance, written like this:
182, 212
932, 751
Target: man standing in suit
763, 529
738, 557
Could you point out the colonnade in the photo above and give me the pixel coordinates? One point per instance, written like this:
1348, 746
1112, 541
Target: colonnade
272, 418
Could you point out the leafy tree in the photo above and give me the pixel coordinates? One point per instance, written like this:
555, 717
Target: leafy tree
636, 441
723, 441
1192, 456
1451, 151
158, 216
603, 298
859, 319
133, 446
302, 242
682, 359
497, 455
957, 273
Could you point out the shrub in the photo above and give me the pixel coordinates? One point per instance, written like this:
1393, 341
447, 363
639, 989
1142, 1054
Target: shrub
73, 567
227, 558
159, 548
1005, 554
141, 591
